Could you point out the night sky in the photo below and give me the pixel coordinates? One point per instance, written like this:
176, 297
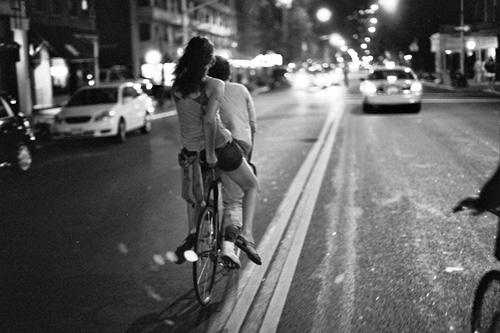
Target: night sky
413, 19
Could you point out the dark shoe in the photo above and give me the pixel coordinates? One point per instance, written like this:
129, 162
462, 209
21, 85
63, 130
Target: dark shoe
230, 233
229, 257
249, 249
187, 245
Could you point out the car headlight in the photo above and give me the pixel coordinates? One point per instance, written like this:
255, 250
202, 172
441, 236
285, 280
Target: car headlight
368, 88
416, 87
105, 115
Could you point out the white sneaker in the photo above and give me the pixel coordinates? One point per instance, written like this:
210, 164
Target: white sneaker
229, 257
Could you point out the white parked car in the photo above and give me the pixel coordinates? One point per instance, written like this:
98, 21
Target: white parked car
394, 85
106, 110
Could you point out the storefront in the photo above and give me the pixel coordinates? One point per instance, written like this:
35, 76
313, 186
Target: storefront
476, 46
61, 62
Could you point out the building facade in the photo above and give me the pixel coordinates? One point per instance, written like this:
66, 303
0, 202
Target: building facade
152, 34
475, 39
63, 48
14, 61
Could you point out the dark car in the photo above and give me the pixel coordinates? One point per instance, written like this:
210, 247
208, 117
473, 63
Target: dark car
279, 78
16, 137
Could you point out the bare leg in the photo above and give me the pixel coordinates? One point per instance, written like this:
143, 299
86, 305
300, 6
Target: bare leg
193, 212
247, 181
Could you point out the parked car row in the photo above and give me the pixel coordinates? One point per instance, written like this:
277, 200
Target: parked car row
16, 136
106, 110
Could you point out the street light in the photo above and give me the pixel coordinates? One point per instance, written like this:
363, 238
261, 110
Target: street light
389, 5
323, 14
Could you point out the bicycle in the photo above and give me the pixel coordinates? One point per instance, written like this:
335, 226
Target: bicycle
208, 244
486, 305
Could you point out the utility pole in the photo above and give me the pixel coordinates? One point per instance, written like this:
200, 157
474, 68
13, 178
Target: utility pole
462, 38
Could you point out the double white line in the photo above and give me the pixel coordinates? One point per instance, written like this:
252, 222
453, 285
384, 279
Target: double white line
296, 209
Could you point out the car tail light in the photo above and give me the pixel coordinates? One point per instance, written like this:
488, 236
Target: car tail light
416, 87
369, 88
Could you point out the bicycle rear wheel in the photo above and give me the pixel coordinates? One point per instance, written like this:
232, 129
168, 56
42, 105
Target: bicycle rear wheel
486, 307
205, 267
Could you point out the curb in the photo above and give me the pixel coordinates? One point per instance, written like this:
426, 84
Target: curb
468, 89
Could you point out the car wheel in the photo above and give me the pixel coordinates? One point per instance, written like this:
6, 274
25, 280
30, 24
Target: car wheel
23, 158
367, 108
147, 124
121, 134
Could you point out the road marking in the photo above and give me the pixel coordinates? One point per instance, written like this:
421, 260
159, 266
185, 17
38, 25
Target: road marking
357, 100
165, 114
303, 214
305, 187
343, 206
425, 100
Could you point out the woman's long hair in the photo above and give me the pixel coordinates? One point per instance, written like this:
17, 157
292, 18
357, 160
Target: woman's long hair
192, 66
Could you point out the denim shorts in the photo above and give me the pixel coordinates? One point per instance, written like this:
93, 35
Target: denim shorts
229, 157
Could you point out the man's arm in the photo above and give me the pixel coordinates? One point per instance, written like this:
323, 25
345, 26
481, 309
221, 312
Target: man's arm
251, 113
215, 91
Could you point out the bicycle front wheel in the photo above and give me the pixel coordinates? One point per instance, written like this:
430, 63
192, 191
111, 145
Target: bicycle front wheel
486, 307
205, 267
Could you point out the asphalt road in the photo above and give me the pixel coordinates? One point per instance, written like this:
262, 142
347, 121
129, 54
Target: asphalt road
354, 224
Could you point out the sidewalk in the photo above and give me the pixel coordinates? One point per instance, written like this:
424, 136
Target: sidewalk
471, 87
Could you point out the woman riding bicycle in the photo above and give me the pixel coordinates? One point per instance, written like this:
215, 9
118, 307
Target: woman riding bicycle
197, 98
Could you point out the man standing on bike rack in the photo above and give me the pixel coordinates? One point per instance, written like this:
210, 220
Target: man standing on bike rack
237, 113
197, 98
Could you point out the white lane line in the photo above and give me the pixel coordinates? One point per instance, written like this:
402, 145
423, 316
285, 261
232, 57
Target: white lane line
165, 114
442, 101
302, 218
343, 208
252, 275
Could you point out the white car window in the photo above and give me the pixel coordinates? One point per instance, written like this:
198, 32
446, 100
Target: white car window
130, 92
383, 74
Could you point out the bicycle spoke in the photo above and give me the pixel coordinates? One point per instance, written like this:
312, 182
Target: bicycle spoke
205, 268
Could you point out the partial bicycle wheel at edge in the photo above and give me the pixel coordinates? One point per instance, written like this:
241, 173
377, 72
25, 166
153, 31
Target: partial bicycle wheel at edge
204, 269
486, 307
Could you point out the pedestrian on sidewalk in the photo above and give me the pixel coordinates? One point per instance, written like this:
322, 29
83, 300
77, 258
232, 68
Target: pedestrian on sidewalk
478, 71
490, 72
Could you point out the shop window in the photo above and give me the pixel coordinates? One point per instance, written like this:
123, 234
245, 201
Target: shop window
86, 8
144, 32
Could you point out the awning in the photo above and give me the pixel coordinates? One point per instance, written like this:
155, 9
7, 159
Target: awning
63, 43
441, 42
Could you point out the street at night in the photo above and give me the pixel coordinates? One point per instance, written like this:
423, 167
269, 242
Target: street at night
354, 224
